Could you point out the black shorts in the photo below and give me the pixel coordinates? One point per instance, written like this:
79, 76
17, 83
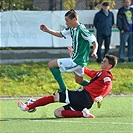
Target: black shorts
79, 99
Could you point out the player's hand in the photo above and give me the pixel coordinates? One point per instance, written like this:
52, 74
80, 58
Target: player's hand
94, 55
43, 28
70, 50
98, 99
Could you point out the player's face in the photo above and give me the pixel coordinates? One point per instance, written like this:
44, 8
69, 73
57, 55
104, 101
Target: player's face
70, 22
105, 64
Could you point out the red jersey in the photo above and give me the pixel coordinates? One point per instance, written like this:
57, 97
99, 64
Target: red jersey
102, 85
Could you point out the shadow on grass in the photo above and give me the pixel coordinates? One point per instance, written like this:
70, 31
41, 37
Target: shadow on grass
49, 119
23, 119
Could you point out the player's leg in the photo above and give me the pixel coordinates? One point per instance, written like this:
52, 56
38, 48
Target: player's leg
39, 102
54, 68
69, 113
62, 65
65, 111
58, 112
61, 112
80, 80
67, 65
79, 77
78, 102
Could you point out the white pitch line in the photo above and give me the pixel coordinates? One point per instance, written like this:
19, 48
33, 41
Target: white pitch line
70, 121
113, 123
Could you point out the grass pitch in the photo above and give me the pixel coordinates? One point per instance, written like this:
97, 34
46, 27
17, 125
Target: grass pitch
35, 79
114, 116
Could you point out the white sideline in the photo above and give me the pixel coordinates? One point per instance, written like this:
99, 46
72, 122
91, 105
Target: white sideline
113, 123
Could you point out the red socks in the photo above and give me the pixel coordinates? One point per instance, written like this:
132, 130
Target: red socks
71, 114
41, 102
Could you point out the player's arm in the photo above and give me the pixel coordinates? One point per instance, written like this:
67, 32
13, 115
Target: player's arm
89, 72
70, 50
44, 28
108, 87
93, 41
95, 47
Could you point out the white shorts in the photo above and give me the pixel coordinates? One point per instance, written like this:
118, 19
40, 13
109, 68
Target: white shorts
67, 65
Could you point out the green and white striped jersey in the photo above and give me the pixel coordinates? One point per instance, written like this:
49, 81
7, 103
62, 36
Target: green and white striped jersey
81, 41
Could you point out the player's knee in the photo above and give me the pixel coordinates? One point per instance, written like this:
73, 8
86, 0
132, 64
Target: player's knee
78, 81
57, 114
56, 97
52, 64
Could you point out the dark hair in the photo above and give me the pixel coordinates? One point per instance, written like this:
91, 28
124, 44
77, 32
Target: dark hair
71, 14
112, 60
105, 4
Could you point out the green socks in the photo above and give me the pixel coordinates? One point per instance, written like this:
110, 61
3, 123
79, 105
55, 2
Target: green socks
85, 82
57, 75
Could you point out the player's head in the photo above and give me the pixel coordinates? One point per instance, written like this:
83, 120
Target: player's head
71, 18
108, 62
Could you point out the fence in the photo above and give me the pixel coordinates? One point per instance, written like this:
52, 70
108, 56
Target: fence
54, 4
79, 5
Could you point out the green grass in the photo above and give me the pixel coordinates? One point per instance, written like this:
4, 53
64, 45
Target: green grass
114, 116
36, 79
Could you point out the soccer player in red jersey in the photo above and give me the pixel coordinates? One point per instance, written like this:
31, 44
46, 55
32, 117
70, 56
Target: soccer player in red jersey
79, 101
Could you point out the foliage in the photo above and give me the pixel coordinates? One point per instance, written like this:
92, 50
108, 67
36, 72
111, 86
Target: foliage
36, 79
17, 5
69, 4
97, 4
28, 5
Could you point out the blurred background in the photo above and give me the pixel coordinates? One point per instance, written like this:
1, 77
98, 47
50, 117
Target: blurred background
56, 4
21, 39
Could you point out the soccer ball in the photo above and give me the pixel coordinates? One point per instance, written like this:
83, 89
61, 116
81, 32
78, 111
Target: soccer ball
28, 102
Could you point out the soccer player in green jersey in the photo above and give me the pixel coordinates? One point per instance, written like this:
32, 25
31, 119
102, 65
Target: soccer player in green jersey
82, 39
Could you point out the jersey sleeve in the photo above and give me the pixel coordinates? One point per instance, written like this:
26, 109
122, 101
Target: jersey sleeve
66, 33
107, 79
90, 38
89, 72
87, 35
108, 87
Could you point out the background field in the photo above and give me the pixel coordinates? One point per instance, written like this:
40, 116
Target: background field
114, 116
35, 79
